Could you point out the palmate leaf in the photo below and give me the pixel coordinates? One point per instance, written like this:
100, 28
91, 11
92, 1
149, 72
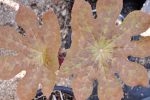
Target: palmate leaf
35, 53
101, 56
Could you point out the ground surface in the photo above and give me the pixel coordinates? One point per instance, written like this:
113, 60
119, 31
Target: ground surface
37, 52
